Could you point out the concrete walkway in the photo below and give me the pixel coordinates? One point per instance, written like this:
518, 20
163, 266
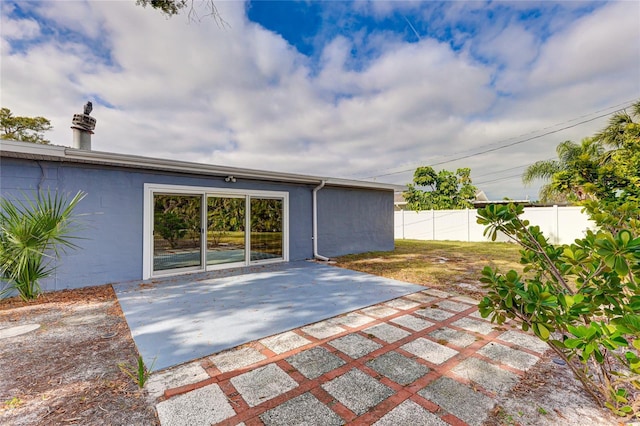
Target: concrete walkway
423, 359
177, 319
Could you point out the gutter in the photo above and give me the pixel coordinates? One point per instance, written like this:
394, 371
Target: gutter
316, 255
33, 151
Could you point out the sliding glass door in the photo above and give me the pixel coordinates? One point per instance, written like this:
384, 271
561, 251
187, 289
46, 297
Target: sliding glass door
266, 229
200, 230
176, 232
226, 239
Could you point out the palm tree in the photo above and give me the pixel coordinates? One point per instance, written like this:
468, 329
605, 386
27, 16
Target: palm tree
569, 155
620, 127
33, 234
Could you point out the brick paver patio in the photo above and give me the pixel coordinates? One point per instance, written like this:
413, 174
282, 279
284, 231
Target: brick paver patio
426, 358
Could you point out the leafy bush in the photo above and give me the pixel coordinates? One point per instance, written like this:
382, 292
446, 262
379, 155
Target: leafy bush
582, 299
33, 234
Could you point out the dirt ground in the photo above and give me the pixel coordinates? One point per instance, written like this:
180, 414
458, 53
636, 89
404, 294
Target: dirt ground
66, 372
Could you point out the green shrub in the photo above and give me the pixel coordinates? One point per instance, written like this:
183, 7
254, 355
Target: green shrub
582, 299
33, 234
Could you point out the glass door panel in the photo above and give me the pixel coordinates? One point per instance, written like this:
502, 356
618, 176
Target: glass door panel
266, 229
176, 231
225, 230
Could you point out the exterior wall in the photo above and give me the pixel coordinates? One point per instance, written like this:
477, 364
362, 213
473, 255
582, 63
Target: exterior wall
354, 221
111, 216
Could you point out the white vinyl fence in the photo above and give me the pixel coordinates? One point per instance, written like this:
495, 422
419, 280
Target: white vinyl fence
561, 225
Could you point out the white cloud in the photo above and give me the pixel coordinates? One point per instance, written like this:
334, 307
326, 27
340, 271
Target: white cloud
243, 96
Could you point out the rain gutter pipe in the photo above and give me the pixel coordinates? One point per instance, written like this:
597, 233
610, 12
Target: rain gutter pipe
315, 223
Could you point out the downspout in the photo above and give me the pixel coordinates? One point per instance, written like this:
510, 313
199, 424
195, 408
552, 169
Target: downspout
315, 223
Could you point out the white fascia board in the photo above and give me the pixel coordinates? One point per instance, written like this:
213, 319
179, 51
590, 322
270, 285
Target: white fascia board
98, 157
31, 148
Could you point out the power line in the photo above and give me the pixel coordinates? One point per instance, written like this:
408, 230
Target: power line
624, 105
498, 179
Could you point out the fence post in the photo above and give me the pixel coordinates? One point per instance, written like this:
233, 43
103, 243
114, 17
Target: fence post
433, 224
402, 223
557, 224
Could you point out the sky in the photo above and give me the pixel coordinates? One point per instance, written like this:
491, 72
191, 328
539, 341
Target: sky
365, 90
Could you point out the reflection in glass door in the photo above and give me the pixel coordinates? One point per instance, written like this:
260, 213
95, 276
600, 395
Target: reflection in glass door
176, 232
190, 230
225, 230
266, 228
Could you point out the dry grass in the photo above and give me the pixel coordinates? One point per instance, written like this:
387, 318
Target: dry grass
452, 266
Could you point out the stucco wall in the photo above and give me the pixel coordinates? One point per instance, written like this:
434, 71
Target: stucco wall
111, 241
354, 221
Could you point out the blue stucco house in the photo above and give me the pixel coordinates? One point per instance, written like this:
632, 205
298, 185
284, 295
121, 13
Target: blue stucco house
146, 217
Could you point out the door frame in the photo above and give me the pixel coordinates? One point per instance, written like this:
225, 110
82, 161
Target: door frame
204, 191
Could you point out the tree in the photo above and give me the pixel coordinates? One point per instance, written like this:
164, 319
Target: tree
600, 169
33, 233
25, 129
444, 189
574, 160
582, 299
174, 7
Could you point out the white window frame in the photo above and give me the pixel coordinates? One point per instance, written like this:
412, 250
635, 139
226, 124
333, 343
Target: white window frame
205, 191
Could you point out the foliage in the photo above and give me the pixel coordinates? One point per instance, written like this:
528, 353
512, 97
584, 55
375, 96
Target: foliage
605, 167
33, 234
445, 190
174, 7
583, 299
25, 129
177, 216
266, 215
139, 374
575, 164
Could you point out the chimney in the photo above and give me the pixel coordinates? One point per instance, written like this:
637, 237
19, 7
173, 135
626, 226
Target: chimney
83, 125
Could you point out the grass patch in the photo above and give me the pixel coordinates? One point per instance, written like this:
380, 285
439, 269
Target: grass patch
443, 265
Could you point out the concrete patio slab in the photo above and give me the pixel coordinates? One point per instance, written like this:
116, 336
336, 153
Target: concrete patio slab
512, 357
314, 362
305, 409
236, 359
476, 326
355, 345
177, 319
284, 342
460, 400
487, 375
263, 384
410, 413
528, 341
413, 323
398, 368
358, 391
435, 314
323, 329
387, 332
201, 407
454, 337
429, 351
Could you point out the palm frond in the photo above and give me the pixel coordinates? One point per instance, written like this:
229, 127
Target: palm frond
33, 233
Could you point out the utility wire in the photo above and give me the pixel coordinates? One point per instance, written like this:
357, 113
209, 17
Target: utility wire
624, 105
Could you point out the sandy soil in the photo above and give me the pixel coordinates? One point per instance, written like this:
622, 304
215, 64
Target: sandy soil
66, 371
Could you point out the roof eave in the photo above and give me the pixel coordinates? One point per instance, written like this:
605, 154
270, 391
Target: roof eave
61, 153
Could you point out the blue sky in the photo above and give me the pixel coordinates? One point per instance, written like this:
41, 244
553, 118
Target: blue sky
366, 90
